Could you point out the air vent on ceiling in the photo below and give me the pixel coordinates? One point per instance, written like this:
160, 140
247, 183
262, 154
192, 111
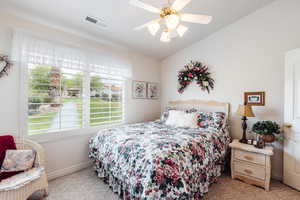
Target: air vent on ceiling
97, 21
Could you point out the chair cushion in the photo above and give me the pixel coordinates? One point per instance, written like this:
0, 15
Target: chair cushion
18, 160
6, 142
5, 175
21, 179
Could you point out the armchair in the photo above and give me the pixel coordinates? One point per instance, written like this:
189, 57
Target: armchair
23, 185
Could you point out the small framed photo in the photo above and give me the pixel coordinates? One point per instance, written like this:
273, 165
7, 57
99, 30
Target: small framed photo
152, 91
139, 89
254, 98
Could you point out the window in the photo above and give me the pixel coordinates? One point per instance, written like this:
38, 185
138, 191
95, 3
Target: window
68, 87
56, 96
106, 100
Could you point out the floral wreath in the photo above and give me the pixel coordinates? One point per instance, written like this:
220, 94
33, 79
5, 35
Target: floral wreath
5, 65
195, 71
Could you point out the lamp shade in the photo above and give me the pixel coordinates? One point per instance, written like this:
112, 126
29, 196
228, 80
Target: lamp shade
245, 110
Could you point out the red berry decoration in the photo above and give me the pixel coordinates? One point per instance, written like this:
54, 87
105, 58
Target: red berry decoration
195, 71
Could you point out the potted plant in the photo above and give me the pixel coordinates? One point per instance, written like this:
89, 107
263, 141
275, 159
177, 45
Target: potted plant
266, 129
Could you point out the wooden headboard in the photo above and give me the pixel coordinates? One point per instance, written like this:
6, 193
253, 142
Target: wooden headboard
206, 106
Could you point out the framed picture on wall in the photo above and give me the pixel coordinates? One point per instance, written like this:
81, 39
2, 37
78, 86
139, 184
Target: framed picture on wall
152, 91
139, 89
254, 98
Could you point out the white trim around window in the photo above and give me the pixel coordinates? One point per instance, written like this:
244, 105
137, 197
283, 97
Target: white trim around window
28, 50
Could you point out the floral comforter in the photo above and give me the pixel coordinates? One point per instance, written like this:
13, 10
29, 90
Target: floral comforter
155, 161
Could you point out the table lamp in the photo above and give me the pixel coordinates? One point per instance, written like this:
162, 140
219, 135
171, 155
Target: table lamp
244, 111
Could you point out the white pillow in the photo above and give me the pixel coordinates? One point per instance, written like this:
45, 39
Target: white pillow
179, 118
174, 116
189, 120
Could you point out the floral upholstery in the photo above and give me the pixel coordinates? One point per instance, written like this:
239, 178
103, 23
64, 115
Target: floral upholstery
215, 120
18, 160
21, 179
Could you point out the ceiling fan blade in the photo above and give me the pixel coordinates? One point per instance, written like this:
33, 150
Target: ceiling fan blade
200, 19
147, 24
180, 4
145, 6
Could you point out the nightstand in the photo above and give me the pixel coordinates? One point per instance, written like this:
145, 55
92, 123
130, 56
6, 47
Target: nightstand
250, 164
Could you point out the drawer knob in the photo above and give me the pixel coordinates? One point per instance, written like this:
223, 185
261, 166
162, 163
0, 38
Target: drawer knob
248, 157
248, 171
288, 125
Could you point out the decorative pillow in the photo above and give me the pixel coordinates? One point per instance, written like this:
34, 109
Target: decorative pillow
18, 160
178, 118
6, 142
173, 117
189, 120
211, 120
165, 114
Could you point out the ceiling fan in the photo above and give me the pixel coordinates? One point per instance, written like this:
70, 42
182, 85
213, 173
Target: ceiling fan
170, 18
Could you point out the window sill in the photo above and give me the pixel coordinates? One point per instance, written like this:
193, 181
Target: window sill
68, 134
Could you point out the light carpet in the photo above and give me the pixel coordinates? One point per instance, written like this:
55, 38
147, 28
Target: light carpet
85, 185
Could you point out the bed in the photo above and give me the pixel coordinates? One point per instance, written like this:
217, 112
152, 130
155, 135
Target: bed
155, 161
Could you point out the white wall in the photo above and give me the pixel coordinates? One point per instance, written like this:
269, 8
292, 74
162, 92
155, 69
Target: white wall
70, 151
245, 56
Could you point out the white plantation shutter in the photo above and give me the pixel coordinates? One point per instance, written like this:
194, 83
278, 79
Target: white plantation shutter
59, 81
107, 105
110, 71
51, 105
110, 65
31, 49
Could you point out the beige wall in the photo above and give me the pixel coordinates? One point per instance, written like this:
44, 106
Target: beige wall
245, 56
65, 154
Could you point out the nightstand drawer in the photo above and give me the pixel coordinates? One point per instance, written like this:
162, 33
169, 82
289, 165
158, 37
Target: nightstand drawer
250, 157
250, 170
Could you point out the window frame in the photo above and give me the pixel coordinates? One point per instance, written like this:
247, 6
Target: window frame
61, 73
123, 81
54, 135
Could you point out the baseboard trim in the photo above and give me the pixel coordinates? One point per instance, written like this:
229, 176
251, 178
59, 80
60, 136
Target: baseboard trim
69, 170
277, 177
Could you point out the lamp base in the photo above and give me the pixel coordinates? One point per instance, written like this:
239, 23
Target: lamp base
243, 140
244, 126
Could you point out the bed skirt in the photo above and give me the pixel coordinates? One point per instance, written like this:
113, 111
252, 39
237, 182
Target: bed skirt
125, 192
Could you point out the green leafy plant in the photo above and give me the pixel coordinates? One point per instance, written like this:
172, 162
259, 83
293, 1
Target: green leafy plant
266, 128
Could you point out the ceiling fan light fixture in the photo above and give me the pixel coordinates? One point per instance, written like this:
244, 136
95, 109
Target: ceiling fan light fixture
153, 28
165, 36
172, 21
181, 30
170, 18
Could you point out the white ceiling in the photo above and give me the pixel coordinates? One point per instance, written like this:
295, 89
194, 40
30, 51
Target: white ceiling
121, 18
